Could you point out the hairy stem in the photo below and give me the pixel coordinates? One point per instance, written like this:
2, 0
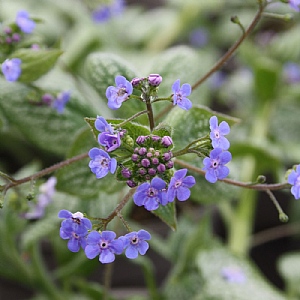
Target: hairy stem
246, 185
233, 48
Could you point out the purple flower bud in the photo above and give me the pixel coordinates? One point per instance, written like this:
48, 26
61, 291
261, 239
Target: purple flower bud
141, 139
149, 154
155, 160
151, 171
134, 157
131, 183
142, 171
169, 164
167, 156
142, 151
145, 162
147, 177
126, 173
156, 153
35, 47
47, 99
7, 30
136, 81
8, 40
161, 168
136, 150
155, 138
16, 37
154, 79
151, 149
166, 141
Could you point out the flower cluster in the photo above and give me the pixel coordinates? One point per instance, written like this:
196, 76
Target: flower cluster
47, 191
123, 90
57, 102
9, 38
77, 229
214, 165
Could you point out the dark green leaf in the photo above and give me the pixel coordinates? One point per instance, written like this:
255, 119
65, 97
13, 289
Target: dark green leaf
167, 214
41, 125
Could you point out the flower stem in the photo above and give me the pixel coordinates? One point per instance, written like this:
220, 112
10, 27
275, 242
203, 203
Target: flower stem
132, 118
233, 48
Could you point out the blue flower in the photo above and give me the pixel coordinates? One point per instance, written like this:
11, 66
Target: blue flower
74, 228
215, 165
110, 141
294, 180
295, 4
47, 191
180, 94
117, 95
103, 244
233, 274
151, 195
61, 100
102, 125
198, 37
101, 162
76, 239
291, 72
105, 12
179, 186
74, 222
217, 133
135, 243
11, 69
24, 22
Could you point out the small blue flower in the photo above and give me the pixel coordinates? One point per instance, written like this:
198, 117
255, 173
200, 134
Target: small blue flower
61, 100
295, 4
215, 165
104, 12
135, 243
103, 244
24, 22
217, 133
179, 186
117, 95
233, 274
74, 228
11, 69
74, 222
180, 94
198, 37
102, 125
101, 162
47, 191
291, 72
294, 180
76, 239
110, 141
151, 195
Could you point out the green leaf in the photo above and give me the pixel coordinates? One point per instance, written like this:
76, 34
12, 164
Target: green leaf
77, 178
193, 124
167, 214
101, 70
213, 261
163, 129
36, 63
41, 125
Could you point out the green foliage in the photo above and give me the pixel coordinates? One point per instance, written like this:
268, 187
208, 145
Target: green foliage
36, 63
193, 124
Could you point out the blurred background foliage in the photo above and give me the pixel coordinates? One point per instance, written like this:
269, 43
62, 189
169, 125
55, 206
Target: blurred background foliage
220, 225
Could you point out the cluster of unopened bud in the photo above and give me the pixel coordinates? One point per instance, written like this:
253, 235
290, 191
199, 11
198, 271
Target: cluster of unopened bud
149, 161
9, 36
